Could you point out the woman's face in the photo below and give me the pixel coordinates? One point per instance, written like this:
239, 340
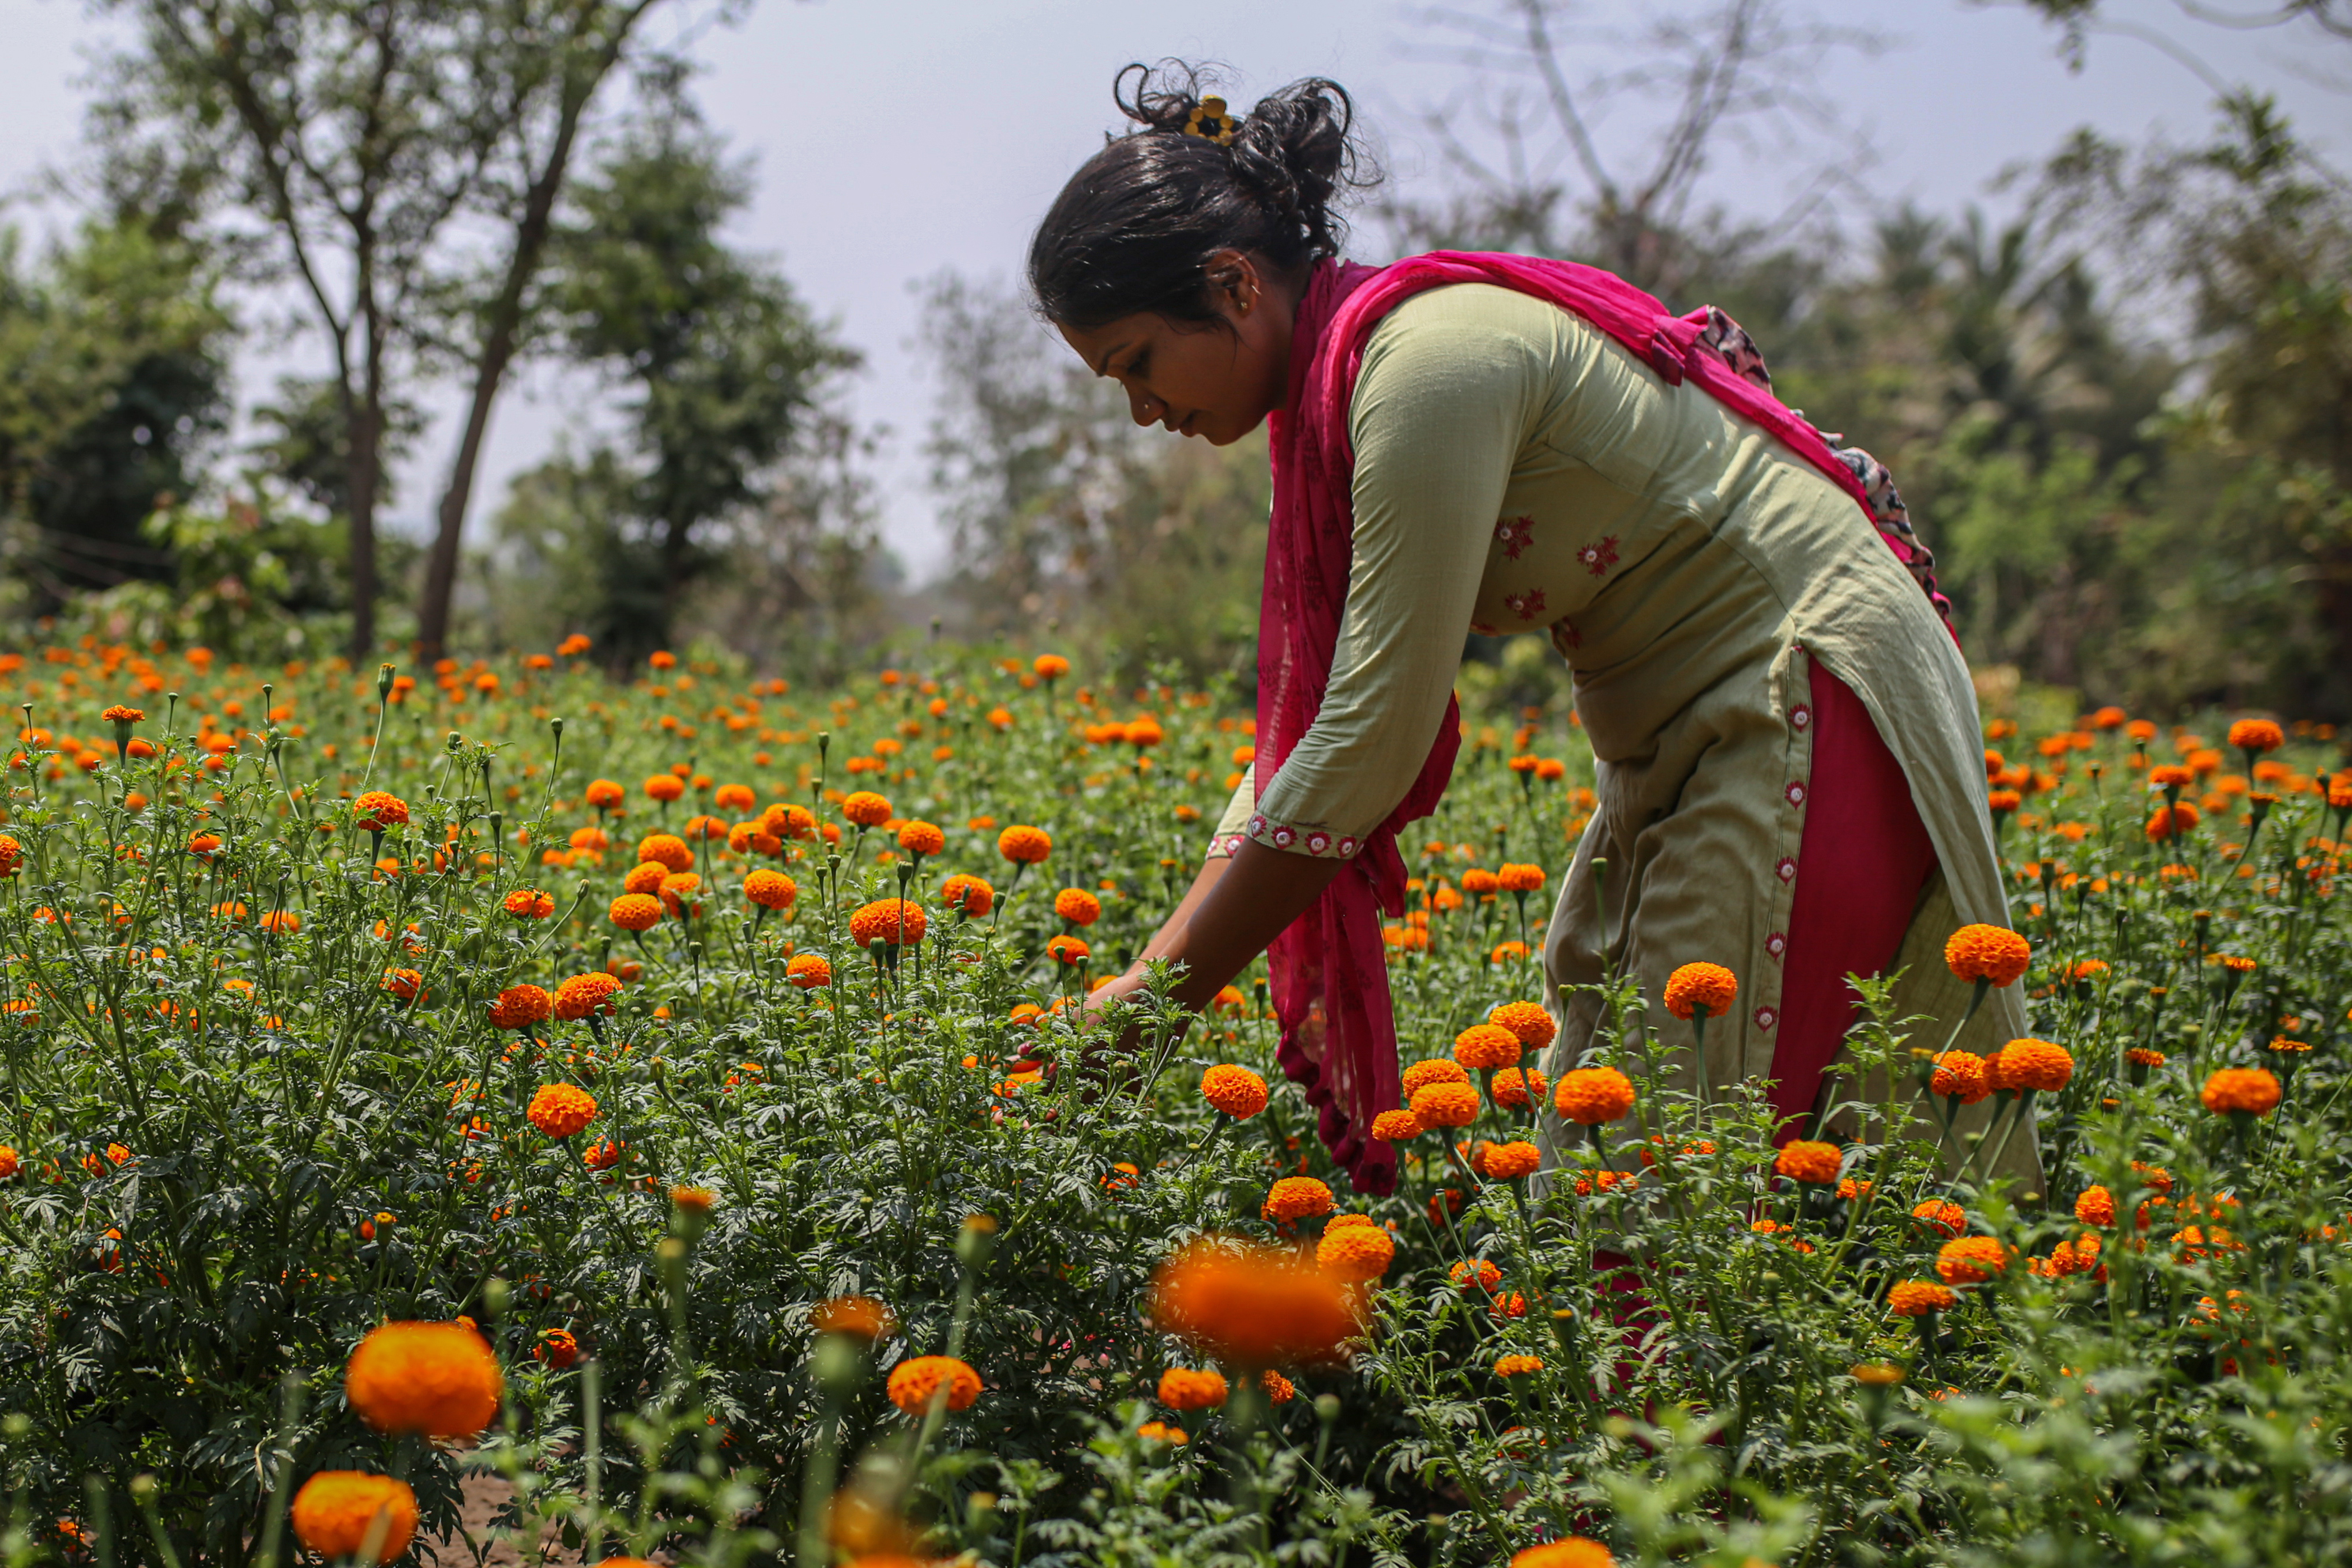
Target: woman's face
1204, 379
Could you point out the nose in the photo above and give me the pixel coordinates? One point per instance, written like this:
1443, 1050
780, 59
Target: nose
1144, 408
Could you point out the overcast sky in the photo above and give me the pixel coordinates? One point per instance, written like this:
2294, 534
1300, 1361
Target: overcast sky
895, 138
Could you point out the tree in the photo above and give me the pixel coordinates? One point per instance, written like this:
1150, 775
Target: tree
1742, 70
398, 163
722, 377
113, 385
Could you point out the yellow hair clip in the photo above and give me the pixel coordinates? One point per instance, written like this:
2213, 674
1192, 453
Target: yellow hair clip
1210, 120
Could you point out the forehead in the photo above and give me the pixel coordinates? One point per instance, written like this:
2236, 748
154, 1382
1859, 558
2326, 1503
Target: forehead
1113, 340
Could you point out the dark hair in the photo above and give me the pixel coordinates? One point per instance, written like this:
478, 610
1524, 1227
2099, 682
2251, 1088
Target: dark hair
1132, 229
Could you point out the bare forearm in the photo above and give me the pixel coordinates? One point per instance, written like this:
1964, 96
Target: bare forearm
1237, 913
1210, 872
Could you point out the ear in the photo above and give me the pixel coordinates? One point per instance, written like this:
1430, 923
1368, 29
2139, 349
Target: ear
1234, 281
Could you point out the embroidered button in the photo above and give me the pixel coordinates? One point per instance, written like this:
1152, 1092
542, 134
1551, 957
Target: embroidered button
1525, 606
1513, 534
1284, 838
1317, 844
1765, 1018
1776, 944
1599, 557
1257, 826
1787, 869
1796, 792
1347, 846
1801, 716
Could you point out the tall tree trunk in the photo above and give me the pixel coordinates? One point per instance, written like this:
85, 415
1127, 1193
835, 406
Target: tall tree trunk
363, 474
503, 325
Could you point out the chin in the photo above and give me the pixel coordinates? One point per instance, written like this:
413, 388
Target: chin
1224, 434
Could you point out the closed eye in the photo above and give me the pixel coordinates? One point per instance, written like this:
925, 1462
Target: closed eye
1138, 367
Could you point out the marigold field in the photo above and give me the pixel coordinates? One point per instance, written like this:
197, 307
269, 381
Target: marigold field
667, 1100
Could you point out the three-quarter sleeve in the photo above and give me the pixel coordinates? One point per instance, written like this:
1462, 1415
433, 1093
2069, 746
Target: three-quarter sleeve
1443, 405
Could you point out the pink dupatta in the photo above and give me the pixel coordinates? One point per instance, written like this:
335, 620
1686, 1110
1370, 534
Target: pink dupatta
1329, 972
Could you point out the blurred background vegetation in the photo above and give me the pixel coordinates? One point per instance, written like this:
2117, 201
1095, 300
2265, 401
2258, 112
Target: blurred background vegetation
2121, 409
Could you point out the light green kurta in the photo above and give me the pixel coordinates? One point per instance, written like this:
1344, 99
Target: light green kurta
1517, 470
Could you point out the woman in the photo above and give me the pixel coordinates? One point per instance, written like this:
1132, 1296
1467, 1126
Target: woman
1787, 748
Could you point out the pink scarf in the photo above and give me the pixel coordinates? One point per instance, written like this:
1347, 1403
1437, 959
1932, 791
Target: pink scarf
1329, 972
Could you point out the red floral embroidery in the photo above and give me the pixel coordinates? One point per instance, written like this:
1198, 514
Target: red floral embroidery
1796, 792
1513, 534
1801, 716
1599, 557
1765, 1018
1787, 869
1776, 944
1564, 635
1525, 606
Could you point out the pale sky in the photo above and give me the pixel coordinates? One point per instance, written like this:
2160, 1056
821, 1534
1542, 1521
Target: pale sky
895, 138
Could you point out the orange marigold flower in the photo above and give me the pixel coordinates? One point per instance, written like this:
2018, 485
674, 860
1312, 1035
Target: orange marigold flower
1068, 950
2140, 1056
529, 904
1517, 1365
922, 838
1184, 1389
1294, 1199
559, 1110
1515, 1086
1487, 1045
1591, 1095
1356, 1253
1236, 1090
1527, 1020
1077, 906
771, 889
1961, 1074
968, 894
121, 714
1025, 845
1804, 1160
1397, 1126
584, 996
1519, 878
519, 1007
1972, 1259
1278, 1388
405, 985
557, 1347
1853, 1191
892, 920
915, 1382
603, 794
2249, 1088
678, 892
664, 786
602, 1155
635, 912
1254, 1305
865, 808
2034, 1064
1158, 1431
1478, 881
1569, 1551
1694, 987
2171, 822
668, 850
438, 1380
1943, 1215
2256, 735
2095, 1207
1508, 1162
1475, 1274
1990, 953
1050, 666
1446, 1104
2079, 1256
1916, 1298
693, 1199
862, 1317
338, 1511
1435, 1070
809, 971
379, 809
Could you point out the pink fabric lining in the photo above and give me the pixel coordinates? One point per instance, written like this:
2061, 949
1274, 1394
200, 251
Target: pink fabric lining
1861, 861
1329, 970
